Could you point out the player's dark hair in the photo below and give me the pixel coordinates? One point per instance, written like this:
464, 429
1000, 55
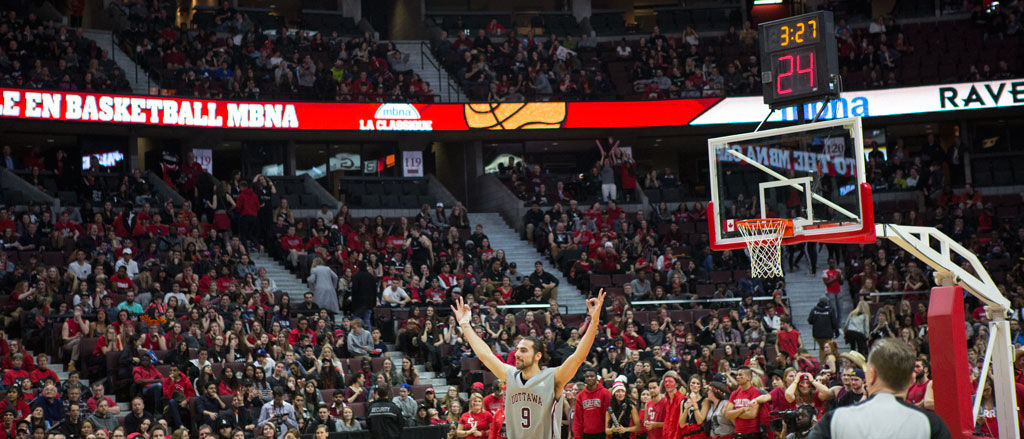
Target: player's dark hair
539, 346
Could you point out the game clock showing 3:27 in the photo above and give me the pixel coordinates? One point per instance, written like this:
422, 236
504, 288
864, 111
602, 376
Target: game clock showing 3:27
799, 62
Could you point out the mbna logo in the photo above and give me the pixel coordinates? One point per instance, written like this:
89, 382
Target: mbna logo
396, 111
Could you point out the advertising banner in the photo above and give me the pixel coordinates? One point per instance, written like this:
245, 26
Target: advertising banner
186, 112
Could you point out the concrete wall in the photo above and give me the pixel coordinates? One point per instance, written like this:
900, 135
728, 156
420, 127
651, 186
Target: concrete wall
491, 195
162, 189
13, 182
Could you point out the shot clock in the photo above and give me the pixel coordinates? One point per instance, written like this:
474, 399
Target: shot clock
799, 61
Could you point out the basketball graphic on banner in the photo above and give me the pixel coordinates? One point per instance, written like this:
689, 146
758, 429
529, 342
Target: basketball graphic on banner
515, 115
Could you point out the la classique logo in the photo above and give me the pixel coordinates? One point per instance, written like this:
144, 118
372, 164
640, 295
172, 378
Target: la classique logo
396, 117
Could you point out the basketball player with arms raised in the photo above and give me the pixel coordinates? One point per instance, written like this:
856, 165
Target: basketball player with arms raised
533, 396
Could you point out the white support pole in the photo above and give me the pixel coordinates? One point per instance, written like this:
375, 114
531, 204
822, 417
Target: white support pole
993, 330
917, 241
778, 176
1002, 371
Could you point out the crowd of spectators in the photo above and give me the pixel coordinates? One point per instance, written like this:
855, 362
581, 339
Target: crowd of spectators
507, 67
239, 60
172, 296
44, 54
503, 66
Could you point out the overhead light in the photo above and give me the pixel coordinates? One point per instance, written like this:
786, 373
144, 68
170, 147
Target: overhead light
657, 140
50, 140
554, 144
767, 2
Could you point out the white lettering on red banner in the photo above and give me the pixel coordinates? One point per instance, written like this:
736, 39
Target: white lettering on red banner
142, 110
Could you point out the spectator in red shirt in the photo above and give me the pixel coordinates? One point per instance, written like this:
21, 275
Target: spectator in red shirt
476, 420
302, 328
742, 407
42, 371
97, 395
788, 338
149, 379
588, 420
120, 283
670, 385
633, 341
435, 295
292, 245
496, 400
177, 389
495, 28
72, 333
530, 323
16, 373
248, 206
15, 401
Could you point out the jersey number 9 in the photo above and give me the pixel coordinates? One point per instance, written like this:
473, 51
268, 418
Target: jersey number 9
526, 417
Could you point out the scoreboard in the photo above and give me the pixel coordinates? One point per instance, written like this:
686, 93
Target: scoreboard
799, 61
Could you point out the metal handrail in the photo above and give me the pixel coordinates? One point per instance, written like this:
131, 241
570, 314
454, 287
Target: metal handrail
897, 293
441, 72
564, 309
686, 301
135, 59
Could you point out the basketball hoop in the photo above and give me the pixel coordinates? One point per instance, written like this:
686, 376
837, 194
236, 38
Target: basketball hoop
764, 241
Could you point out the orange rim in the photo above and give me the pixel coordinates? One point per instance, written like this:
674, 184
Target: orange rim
768, 223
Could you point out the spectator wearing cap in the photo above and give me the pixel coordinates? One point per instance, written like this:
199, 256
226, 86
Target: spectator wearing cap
496, 400
127, 262
430, 400
889, 373
405, 402
224, 429
852, 391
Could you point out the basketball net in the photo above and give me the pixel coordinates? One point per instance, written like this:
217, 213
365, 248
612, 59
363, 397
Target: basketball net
764, 241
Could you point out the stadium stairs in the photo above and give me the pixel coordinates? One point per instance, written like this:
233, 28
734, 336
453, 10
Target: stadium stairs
138, 78
804, 289
423, 64
519, 251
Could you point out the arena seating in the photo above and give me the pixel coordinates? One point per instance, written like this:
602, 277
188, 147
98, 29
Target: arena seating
72, 63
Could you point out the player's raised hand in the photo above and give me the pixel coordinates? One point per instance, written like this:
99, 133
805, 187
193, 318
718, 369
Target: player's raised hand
462, 312
594, 305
